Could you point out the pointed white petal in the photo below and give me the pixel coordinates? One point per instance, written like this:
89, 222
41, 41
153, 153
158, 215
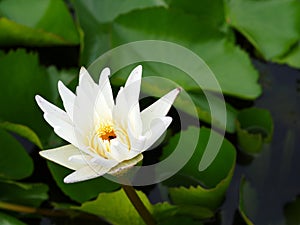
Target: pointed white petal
68, 98
123, 166
61, 156
85, 80
58, 119
127, 102
134, 76
83, 116
135, 121
159, 108
157, 128
104, 100
86, 173
105, 87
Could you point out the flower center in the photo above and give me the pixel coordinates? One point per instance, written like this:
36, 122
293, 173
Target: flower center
106, 132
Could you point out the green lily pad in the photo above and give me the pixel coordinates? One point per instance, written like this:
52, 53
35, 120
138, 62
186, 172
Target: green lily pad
23, 193
94, 18
6, 219
292, 58
125, 213
207, 11
116, 208
23, 131
164, 211
21, 79
106, 11
247, 193
188, 31
49, 23
254, 127
15, 163
82, 191
205, 188
272, 26
236, 76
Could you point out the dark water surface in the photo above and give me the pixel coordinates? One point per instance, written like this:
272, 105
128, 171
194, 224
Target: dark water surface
273, 176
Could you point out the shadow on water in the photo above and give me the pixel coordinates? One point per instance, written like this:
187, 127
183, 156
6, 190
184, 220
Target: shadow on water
273, 176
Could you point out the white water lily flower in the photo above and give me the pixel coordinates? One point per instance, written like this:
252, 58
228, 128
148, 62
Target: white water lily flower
104, 136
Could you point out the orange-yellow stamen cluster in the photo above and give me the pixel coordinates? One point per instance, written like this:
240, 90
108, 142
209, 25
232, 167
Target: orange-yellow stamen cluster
106, 132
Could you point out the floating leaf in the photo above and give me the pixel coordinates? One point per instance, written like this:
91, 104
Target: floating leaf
236, 76
272, 26
23, 193
292, 58
21, 79
210, 185
82, 191
246, 193
6, 219
207, 11
254, 127
125, 213
49, 23
116, 208
106, 11
187, 30
94, 16
23, 131
15, 163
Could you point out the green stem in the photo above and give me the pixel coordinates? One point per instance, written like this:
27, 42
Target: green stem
138, 205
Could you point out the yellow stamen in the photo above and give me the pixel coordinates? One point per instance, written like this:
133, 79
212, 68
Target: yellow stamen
106, 132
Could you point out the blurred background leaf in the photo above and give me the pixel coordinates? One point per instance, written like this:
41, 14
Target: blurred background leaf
6, 219
254, 127
36, 23
29, 194
15, 163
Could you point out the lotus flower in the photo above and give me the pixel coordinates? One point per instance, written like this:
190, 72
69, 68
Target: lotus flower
105, 136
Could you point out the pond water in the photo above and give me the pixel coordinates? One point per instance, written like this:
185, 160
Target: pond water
273, 176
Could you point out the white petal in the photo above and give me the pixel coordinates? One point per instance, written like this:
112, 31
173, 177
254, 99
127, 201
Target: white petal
120, 152
86, 81
159, 108
58, 119
61, 156
86, 173
105, 87
125, 165
84, 102
127, 102
157, 128
136, 143
135, 76
68, 98
82, 159
104, 162
104, 100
